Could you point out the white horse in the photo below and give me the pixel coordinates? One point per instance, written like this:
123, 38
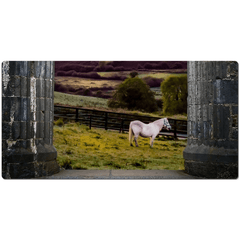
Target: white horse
138, 128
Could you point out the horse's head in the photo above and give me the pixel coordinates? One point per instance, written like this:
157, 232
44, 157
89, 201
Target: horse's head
166, 124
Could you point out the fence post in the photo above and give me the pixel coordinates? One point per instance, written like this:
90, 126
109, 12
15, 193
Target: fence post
122, 122
175, 129
90, 121
120, 129
106, 120
76, 120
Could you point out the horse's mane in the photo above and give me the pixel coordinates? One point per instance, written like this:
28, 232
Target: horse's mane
159, 121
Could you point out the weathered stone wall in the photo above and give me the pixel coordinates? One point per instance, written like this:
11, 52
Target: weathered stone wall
27, 119
212, 148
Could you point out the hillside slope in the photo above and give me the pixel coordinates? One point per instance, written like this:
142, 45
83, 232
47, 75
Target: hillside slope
96, 66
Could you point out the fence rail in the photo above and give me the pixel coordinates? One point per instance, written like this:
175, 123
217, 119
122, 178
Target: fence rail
115, 121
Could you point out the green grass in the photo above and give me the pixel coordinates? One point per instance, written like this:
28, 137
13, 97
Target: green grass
101, 104
79, 147
141, 74
80, 101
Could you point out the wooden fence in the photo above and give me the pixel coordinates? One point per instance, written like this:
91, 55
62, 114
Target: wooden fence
115, 121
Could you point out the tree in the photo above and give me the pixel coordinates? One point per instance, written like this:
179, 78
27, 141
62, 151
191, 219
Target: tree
133, 74
134, 94
174, 91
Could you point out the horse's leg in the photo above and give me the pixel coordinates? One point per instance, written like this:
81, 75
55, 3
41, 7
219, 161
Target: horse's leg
151, 144
131, 141
135, 139
130, 135
153, 137
150, 141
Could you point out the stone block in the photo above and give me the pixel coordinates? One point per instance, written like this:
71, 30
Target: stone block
19, 68
6, 108
8, 87
235, 133
48, 104
211, 170
51, 116
51, 92
18, 170
25, 103
46, 152
47, 89
24, 144
17, 86
234, 110
6, 130
206, 130
232, 70
40, 69
48, 70
46, 130
37, 69
24, 87
47, 141
50, 168
47, 116
40, 86
23, 130
235, 121
13, 69
221, 70
40, 115
225, 91
194, 129
40, 104
4, 145
17, 108
52, 70
15, 130
29, 131
221, 122
40, 130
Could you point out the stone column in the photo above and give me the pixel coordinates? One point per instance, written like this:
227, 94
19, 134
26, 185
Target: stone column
27, 120
212, 147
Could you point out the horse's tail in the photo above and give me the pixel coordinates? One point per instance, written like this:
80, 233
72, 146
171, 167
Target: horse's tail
130, 133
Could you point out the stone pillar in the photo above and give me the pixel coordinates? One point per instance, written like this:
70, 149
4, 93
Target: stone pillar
27, 120
212, 147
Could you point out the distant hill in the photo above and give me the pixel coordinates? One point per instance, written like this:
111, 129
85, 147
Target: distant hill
62, 67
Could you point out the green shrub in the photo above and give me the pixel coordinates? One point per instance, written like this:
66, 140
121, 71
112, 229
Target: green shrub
160, 103
174, 92
152, 81
133, 74
99, 93
59, 122
134, 94
66, 163
87, 92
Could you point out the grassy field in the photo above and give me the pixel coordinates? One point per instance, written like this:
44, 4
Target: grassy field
79, 101
79, 147
141, 74
101, 104
77, 82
